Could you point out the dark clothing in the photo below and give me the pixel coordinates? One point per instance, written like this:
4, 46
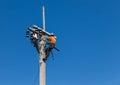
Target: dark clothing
49, 46
36, 45
48, 50
34, 40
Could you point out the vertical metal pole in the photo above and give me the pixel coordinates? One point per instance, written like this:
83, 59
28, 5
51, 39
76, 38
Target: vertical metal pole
43, 15
42, 73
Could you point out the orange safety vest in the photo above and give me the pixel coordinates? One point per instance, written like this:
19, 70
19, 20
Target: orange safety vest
52, 39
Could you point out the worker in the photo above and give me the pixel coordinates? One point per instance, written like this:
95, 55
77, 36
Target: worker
34, 39
51, 44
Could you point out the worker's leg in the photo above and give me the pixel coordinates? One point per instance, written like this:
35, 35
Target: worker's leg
36, 45
48, 50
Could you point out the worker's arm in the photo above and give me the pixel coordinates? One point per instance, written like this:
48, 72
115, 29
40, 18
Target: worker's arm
48, 37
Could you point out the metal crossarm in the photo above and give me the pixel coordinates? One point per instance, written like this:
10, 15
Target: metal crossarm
40, 29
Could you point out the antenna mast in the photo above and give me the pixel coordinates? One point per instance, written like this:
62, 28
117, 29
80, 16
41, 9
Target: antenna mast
43, 16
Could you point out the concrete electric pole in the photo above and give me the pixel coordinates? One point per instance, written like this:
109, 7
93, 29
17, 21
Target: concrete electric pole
42, 64
38, 36
39, 41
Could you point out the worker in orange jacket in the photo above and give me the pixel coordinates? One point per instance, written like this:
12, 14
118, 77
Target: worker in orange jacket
51, 44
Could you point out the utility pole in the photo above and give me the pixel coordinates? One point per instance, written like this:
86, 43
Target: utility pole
39, 44
42, 64
39, 41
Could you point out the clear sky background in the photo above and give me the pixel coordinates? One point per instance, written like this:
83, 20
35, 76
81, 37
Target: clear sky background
88, 35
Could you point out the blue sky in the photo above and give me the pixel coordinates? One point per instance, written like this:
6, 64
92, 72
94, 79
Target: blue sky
88, 35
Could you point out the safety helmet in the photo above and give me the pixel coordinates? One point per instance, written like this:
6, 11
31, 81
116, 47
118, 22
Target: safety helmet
52, 34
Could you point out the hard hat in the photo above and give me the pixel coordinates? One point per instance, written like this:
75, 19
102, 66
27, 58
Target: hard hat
52, 34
